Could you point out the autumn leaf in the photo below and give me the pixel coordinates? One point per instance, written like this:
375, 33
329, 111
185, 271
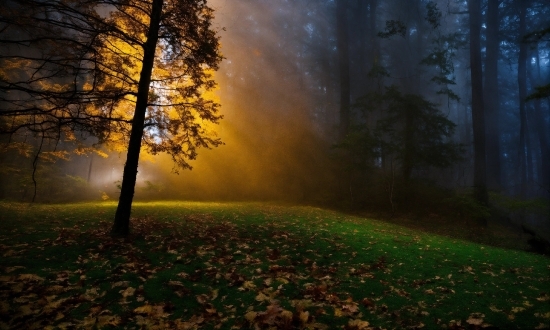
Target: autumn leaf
357, 325
261, 297
475, 319
338, 312
250, 316
494, 309
202, 299
304, 317
128, 292
543, 315
30, 278
247, 285
155, 311
517, 309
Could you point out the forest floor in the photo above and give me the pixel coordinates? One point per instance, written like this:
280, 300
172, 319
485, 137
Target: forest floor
256, 265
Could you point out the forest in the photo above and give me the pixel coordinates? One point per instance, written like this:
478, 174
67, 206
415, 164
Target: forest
182, 148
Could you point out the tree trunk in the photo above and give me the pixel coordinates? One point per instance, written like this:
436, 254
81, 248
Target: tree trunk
539, 121
408, 152
522, 85
491, 95
121, 225
374, 40
478, 117
343, 63
90, 166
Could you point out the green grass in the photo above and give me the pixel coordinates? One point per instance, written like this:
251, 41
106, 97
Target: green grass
245, 265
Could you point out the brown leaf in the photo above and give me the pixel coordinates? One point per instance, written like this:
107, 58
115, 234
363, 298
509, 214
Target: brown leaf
30, 278
202, 299
357, 325
261, 297
128, 292
250, 316
304, 317
475, 319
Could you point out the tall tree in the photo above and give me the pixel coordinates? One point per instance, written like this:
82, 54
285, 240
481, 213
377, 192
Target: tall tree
478, 116
491, 95
138, 68
539, 124
343, 64
122, 215
522, 86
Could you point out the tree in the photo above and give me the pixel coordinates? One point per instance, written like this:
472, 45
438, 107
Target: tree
524, 151
344, 65
478, 116
142, 68
491, 96
412, 131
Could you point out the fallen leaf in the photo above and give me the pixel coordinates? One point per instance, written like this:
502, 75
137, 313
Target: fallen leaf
128, 292
30, 278
250, 316
304, 317
261, 297
357, 325
475, 319
494, 309
517, 309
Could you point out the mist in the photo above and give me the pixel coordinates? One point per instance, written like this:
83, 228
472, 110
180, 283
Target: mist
274, 146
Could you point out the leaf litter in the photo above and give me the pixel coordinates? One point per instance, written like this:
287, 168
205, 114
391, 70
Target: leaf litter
265, 267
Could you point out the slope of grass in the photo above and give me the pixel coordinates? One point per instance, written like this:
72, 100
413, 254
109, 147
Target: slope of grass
249, 265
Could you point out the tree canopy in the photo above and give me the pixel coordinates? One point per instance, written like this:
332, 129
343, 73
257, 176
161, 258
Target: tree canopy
131, 72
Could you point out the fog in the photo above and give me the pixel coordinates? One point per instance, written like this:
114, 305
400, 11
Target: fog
273, 145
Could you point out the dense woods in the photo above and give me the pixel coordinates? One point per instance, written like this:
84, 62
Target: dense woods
395, 106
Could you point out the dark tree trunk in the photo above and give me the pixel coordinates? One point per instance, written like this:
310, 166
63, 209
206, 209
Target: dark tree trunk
478, 117
363, 48
343, 63
541, 131
374, 40
408, 153
121, 226
522, 85
491, 95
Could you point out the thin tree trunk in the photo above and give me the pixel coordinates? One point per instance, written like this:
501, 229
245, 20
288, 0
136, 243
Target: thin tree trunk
343, 61
478, 116
408, 155
90, 166
522, 85
121, 225
491, 95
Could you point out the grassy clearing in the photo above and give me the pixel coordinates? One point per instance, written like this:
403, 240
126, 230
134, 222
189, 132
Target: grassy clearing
211, 265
